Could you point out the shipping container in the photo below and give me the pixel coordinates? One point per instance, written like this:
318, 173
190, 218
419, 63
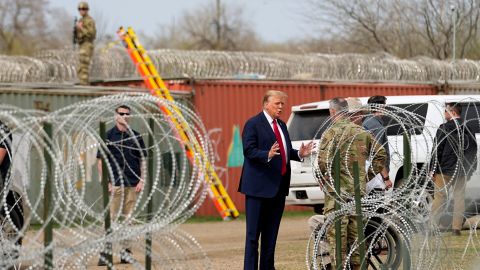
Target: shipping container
49, 97
225, 105
461, 88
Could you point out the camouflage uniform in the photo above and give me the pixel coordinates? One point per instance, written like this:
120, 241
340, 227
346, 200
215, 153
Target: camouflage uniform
354, 144
85, 37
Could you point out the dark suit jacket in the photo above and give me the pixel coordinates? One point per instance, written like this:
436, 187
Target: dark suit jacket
260, 177
447, 141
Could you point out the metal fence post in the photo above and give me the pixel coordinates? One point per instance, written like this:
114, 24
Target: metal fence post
148, 189
47, 199
338, 233
358, 210
407, 167
108, 245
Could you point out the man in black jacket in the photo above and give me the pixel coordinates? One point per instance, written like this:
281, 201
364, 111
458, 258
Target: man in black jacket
453, 164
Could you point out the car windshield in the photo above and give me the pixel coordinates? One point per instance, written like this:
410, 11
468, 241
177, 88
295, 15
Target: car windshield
305, 124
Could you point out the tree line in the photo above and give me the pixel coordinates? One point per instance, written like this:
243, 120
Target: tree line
403, 28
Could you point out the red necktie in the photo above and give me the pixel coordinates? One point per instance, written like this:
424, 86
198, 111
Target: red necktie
282, 149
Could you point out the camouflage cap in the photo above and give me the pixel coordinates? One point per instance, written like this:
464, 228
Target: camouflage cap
354, 104
83, 5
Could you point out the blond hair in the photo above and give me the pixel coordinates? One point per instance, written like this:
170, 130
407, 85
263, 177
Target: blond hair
273, 93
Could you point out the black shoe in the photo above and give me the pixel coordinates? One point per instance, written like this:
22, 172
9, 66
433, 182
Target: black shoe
443, 229
126, 256
456, 233
103, 260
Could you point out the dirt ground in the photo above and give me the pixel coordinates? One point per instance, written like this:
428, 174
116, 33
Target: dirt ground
224, 242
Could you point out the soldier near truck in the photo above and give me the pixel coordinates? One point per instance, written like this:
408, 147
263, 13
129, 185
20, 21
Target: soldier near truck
353, 144
84, 35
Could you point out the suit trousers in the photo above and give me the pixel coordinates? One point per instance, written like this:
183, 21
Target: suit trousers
442, 185
263, 220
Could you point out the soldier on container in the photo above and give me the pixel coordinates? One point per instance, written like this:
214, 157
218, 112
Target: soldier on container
84, 35
354, 144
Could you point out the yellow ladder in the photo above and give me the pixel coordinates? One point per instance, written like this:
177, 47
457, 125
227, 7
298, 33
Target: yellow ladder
155, 84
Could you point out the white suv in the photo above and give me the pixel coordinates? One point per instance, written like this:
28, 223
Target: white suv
308, 121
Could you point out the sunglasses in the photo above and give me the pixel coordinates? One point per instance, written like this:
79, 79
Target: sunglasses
83, 9
123, 113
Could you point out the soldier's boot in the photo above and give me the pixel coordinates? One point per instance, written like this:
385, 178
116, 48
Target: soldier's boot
102, 261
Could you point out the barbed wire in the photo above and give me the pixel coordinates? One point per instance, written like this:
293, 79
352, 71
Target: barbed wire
399, 224
114, 64
177, 191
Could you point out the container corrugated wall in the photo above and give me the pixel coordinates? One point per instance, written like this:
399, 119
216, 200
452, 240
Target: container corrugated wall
461, 88
43, 97
369, 89
225, 104
222, 105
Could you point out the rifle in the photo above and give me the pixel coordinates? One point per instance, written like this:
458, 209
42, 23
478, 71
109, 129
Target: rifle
75, 41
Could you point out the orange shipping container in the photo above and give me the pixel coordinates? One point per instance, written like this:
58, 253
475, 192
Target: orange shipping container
226, 104
223, 105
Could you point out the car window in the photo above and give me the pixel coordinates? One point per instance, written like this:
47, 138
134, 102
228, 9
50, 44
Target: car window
412, 124
305, 124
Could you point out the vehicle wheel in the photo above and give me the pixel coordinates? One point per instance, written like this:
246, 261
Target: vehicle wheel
383, 247
318, 209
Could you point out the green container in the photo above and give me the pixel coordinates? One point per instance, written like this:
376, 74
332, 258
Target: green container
51, 97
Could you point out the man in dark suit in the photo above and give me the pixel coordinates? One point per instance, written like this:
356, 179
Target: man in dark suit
266, 178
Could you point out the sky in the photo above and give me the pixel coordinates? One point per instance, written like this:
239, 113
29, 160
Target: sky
273, 20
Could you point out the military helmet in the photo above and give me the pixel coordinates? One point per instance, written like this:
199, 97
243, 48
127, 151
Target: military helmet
83, 5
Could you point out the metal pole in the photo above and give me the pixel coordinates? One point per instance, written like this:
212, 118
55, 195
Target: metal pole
148, 189
358, 210
407, 157
108, 245
454, 19
218, 26
338, 231
48, 233
407, 167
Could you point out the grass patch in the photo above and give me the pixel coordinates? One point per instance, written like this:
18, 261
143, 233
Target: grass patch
204, 219
451, 252
305, 213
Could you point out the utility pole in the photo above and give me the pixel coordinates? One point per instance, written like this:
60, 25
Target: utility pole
217, 24
454, 21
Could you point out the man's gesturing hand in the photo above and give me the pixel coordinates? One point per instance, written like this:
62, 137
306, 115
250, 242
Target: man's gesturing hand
274, 151
306, 150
